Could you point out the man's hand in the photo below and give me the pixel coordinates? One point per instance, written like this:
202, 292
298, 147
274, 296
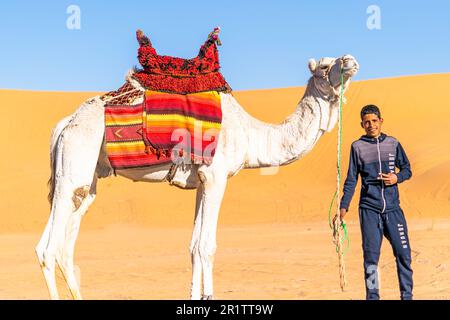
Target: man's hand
389, 179
343, 212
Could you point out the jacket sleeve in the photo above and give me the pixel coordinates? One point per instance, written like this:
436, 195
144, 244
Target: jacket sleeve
403, 164
351, 181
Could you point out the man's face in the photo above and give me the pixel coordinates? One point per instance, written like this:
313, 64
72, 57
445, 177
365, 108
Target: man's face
372, 125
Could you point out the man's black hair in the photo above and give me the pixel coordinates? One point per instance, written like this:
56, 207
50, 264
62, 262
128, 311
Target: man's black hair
370, 109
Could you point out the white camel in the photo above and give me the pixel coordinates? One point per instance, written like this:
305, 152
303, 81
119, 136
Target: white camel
78, 160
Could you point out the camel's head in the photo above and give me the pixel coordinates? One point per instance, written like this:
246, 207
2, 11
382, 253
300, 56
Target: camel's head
326, 73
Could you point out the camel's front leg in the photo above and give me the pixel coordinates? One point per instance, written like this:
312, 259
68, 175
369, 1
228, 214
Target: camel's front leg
214, 182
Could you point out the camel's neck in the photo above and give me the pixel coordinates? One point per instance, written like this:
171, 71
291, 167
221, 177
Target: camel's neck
277, 145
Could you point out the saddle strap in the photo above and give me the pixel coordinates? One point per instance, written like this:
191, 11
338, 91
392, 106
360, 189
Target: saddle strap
172, 172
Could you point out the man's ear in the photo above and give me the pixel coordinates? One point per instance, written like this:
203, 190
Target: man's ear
362, 126
381, 120
312, 64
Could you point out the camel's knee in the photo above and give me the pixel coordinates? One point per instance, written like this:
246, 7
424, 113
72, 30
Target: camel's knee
48, 259
79, 195
206, 175
193, 247
206, 252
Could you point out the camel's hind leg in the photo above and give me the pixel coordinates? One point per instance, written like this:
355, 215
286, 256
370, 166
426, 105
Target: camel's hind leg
47, 268
77, 152
62, 208
61, 238
65, 259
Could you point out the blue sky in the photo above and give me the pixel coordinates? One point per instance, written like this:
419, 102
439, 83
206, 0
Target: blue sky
266, 44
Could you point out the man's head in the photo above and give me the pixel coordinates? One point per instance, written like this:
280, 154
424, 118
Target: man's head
371, 120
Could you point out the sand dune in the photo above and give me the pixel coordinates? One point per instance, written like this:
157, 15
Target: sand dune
415, 111
265, 217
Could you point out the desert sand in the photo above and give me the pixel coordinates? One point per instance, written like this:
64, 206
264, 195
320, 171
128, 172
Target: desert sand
273, 236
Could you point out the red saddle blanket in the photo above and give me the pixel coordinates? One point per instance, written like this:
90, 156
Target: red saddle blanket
164, 128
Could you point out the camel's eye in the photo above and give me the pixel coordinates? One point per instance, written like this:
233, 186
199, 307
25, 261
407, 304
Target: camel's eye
323, 67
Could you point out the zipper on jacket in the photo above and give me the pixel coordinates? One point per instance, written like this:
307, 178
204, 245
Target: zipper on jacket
382, 183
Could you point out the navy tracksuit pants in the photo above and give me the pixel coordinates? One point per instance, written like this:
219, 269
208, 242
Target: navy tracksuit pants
392, 225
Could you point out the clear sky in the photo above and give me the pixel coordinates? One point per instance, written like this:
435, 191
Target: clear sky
266, 44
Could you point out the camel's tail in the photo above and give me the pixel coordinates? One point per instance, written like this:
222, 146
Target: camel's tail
56, 134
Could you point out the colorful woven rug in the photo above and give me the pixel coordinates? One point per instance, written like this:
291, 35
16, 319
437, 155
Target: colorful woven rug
124, 139
166, 128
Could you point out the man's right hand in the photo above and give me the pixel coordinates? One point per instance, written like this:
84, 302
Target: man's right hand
343, 212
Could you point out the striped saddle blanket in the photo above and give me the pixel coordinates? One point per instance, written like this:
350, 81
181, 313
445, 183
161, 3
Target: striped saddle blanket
164, 128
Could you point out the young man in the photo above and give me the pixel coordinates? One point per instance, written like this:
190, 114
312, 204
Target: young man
374, 156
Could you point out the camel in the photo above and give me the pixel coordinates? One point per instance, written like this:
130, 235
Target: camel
78, 159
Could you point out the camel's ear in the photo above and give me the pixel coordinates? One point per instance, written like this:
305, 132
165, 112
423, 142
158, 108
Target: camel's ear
312, 64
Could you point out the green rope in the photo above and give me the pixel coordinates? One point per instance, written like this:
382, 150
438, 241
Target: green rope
343, 225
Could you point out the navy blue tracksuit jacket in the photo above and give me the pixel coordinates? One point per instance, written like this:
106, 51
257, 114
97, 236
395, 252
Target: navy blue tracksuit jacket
369, 157
379, 207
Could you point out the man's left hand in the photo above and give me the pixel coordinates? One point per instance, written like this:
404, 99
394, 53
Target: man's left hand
389, 179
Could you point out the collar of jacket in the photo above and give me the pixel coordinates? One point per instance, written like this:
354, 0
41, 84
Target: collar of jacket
373, 140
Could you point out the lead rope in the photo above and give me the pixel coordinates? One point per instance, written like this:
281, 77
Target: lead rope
339, 227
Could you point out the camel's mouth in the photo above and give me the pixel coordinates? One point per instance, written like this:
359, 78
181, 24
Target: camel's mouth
350, 71
350, 66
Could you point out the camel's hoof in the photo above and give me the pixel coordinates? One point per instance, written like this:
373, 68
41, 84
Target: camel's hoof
207, 297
